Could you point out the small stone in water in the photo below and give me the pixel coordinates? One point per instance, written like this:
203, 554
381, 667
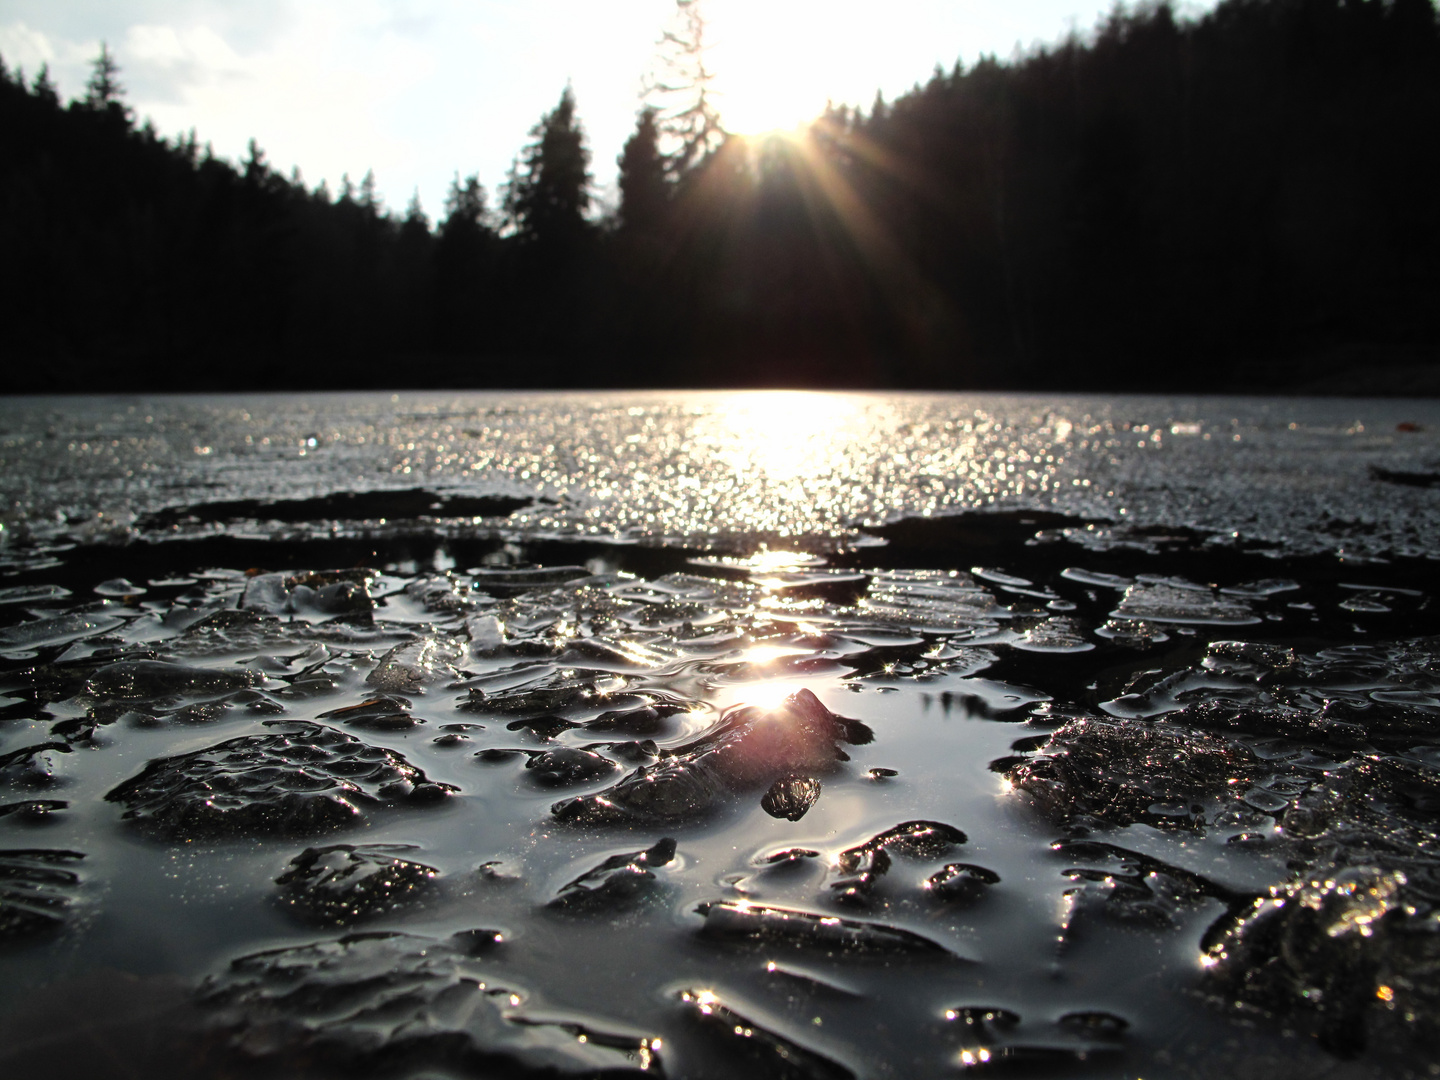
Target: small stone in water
961, 881
346, 882
558, 768
618, 882
385, 712
734, 922
791, 797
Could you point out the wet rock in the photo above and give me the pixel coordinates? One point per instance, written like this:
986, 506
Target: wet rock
119, 589
961, 882
441, 594
543, 728
992, 1037
304, 779
1357, 695
323, 594
37, 889
384, 712
566, 695
408, 667
33, 810
32, 594
495, 755
1123, 772
642, 722
788, 857
343, 883
31, 766
863, 865
791, 797
232, 631
1348, 952
636, 751
861, 873
619, 882
915, 839
566, 766
1167, 602
1132, 887
747, 748
750, 1048
933, 600
1094, 1024
56, 630
744, 923
377, 1002
1055, 635
499, 872
133, 679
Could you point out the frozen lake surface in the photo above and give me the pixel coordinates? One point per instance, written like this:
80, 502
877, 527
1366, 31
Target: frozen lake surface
722, 734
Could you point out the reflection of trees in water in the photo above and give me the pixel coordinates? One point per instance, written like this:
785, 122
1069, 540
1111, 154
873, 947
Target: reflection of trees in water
1252, 183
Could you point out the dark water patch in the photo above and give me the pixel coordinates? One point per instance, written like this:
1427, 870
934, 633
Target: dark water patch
1409, 478
342, 506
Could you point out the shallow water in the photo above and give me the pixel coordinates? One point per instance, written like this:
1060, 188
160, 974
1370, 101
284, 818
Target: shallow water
297, 690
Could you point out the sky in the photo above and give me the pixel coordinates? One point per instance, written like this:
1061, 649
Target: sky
420, 90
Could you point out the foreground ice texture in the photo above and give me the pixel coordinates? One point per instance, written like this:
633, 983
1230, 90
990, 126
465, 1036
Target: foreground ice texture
1327, 761
1195, 786
300, 780
384, 1001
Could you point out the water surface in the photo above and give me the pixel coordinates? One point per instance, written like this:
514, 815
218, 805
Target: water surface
1124, 764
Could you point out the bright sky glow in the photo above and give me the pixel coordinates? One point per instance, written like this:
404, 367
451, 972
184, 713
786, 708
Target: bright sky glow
421, 89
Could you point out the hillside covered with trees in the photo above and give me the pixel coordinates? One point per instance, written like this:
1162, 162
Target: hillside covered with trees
1165, 204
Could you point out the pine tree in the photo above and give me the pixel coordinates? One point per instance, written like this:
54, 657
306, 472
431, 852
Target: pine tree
415, 217
43, 88
103, 90
464, 203
548, 190
369, 196
644, 190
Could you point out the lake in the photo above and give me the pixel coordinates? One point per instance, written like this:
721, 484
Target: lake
719, 734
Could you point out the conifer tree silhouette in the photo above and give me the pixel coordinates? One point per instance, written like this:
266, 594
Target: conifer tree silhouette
548, 190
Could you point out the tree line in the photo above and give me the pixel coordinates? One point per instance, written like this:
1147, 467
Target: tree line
1161, 204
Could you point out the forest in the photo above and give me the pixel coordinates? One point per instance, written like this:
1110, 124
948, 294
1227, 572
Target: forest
1165, 203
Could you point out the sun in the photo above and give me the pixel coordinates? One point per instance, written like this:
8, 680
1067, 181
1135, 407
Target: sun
767, 78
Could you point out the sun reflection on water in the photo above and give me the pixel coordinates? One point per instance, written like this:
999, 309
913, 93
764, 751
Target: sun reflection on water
786, 435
